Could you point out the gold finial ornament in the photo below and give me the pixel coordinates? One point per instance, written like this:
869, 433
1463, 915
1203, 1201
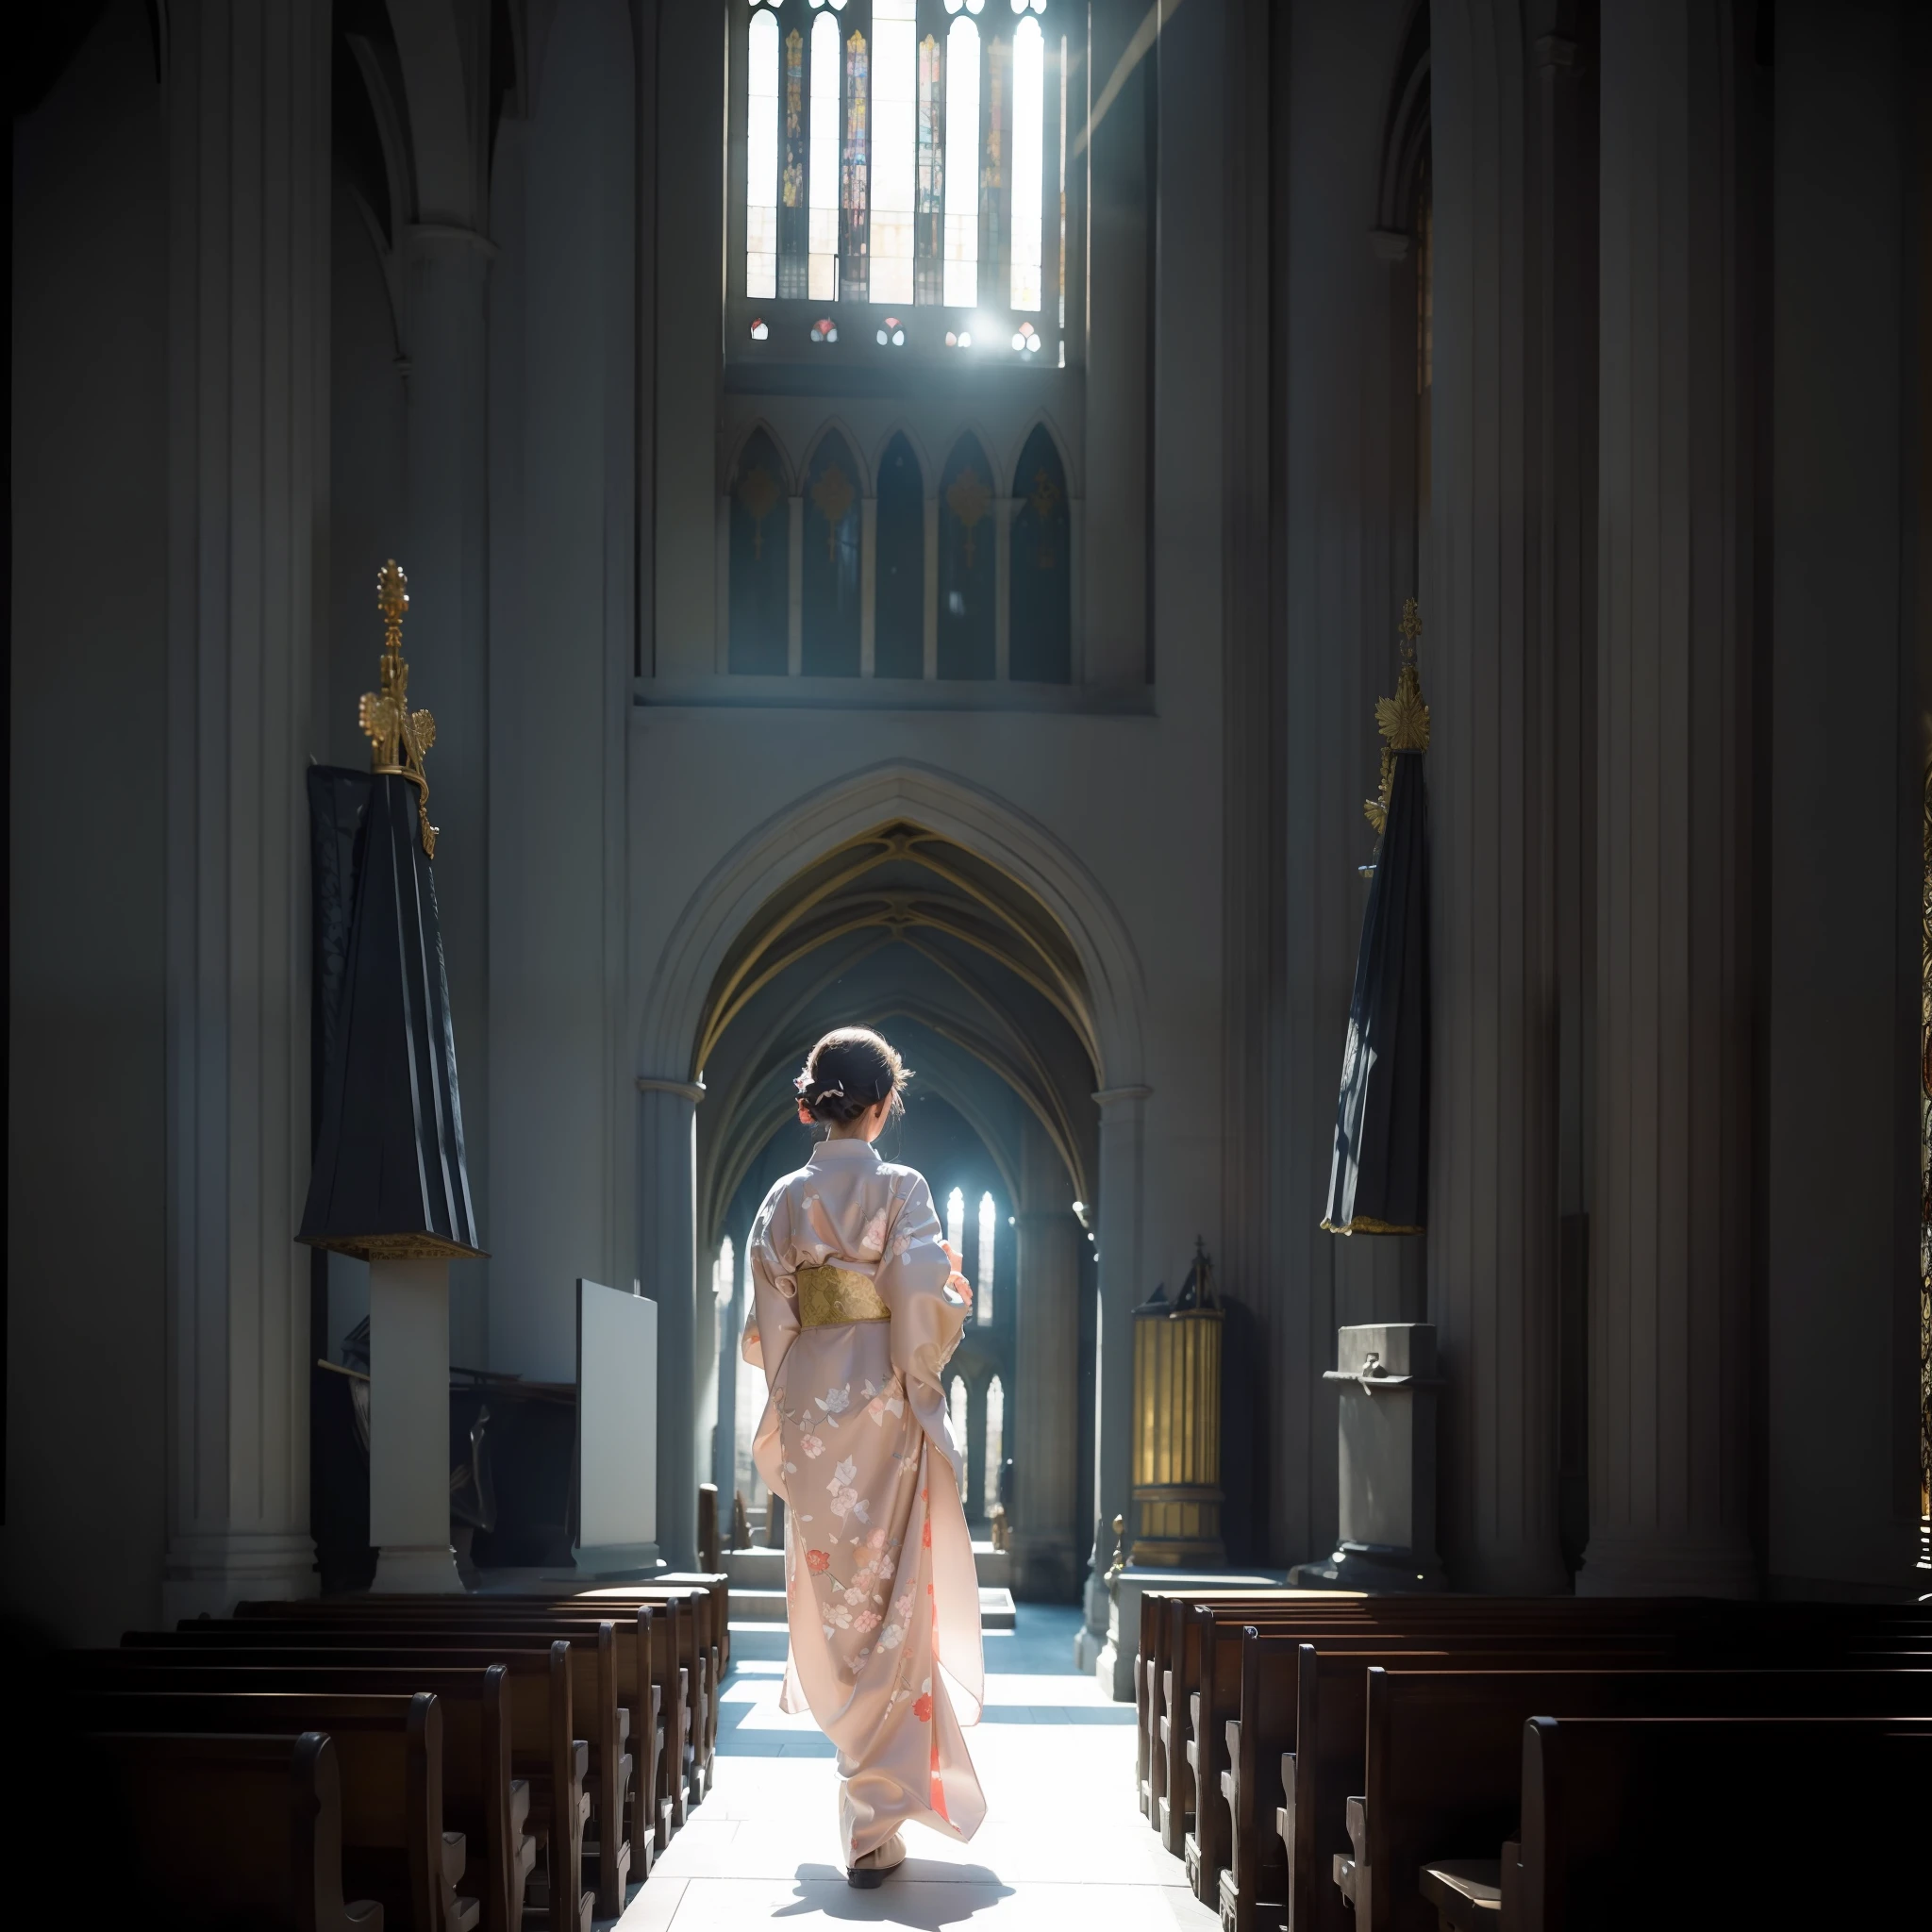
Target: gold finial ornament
399, 736
1403, 720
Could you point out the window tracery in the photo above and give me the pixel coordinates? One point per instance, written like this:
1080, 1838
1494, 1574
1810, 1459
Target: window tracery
983, 1261
909, 153
996, 1442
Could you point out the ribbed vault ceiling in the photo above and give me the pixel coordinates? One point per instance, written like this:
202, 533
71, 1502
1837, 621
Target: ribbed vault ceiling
966, 970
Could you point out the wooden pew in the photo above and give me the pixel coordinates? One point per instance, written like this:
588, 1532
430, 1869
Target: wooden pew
1188, 1666
1293, 1754
545, 1751
1445, 1755
1153, 1667
707, 1655
480, 1798
601, 1712
389, 1753
222, 1829
659, 1646
1681, 1822
1237, 1757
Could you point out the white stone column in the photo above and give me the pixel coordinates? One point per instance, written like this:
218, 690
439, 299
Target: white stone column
408, 1426
447, 559
1669, 1328
1046, 1398
1488, 674
248, 119
668, 1273
1123, 1164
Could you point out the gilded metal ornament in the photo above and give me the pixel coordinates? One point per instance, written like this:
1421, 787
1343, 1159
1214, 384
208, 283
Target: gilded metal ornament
1403, 720
969, 499
399, 736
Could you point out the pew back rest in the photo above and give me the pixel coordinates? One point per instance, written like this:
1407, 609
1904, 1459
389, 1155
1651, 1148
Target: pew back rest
1631, 1820
218, 1828
1444, 1749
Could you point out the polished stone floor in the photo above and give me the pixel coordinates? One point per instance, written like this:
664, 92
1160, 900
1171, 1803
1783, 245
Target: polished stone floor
1063, 1846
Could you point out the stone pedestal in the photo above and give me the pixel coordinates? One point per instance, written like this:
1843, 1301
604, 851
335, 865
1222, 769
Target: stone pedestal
408, 1426
1387, 1461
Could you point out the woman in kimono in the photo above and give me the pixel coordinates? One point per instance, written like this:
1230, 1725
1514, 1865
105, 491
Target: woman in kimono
857, 1305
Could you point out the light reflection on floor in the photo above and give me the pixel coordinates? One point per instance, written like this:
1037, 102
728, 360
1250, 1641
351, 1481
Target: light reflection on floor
1062, 1846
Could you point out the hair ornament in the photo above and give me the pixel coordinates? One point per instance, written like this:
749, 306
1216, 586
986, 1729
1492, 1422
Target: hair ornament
804, 1080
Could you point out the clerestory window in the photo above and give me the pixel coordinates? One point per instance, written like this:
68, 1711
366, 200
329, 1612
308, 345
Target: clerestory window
901, 180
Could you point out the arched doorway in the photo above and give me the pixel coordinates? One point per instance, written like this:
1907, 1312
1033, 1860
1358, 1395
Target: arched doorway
905, 898
980, 987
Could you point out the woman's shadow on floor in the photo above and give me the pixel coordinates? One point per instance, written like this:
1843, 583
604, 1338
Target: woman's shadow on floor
923, 1894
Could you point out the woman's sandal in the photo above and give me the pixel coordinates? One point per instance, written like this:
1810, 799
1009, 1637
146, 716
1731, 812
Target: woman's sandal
869, 1868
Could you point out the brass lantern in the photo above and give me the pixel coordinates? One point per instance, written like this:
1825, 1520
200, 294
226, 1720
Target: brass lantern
1178, 1493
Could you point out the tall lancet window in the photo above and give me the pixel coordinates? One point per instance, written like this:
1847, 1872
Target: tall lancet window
895, 114
899, 592
761, 158
1041, 559
961, 289
966, 646
822, 171
957, 1407
996, 1441
1029, 132
989, 1242
955, 1220
760, 557
830, 618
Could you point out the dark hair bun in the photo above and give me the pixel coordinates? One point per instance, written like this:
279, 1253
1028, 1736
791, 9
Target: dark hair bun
848, 1072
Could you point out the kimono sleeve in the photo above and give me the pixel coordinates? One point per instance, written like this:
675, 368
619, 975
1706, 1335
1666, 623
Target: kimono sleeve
772, 1321
927, 1318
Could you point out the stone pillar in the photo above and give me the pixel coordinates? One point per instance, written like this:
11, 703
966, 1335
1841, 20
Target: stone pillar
248, 120
408, 1426
1123, 1147
667, 1271
1046, 1396
1670, 1331
1488, 676
445, 550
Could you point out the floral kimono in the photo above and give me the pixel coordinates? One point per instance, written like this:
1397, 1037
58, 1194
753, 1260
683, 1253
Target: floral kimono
852, 1322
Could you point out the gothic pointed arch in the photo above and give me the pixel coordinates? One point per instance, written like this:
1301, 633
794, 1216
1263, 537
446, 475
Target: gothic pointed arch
829, 568
759, 488
968, 521
899, 592
1041, 566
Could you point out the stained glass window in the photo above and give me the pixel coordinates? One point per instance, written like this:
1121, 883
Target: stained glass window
955, 1222
995, 1441
830, 564
983, 1259
967, 569
961, 285
821, 282
931, 183
894, 95
899, 587
1041, 645
761, 159
1029, 132
792, 208
853, 223
999, 63
760, 557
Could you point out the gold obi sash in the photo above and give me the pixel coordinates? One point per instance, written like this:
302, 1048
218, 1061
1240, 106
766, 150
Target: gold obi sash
829, 1297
